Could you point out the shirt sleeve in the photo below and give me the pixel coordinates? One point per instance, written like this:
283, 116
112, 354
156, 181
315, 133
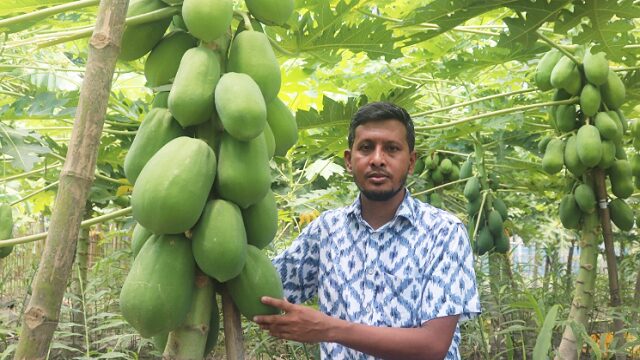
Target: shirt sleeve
450, 288
298, 265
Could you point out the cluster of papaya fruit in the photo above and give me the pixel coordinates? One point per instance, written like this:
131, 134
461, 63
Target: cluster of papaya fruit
435, 169
199, 163
6, 228
589, 136
486, 213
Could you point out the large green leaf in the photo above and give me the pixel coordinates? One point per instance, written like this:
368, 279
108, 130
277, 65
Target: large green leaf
22, 146
21, 6
522, 30
334, 113
543, 341
324, 33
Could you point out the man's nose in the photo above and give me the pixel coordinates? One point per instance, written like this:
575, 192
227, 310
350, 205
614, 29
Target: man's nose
378, 157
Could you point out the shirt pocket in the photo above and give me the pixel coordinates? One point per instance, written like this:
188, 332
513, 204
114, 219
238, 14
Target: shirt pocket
401, 299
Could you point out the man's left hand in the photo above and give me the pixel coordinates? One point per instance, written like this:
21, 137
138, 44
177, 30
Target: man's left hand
298, 323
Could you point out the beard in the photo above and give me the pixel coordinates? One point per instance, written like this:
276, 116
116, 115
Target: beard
382, 195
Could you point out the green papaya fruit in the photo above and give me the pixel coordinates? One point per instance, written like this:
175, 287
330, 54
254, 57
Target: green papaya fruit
596, 67
240, 106
161, 100
210, 132
621, 154
261, 221
590, 100
545, 66
137, 40
485, 241
156, 130
562, 73
608, 154
207, 19
162, 63
244, 176
432, 161
621, 179
283, 125
613, 91
271, 12
219, 240
634, 128
543, 142
177, 23
454, 174
251, 54
553, 156
606, 126
585, 198
570, 212
566, 118
571, 159
160, 341
6, 228
589, 145
418, 167
623, 121
446, 166
214, 328
495, 223
270, 140
473, 206
435, 199
437, 176
619, 126
634, 163
502, 243
191, 96
258, 278
156, 294
172, 188
621, 214
466, 170
501, 207
139, 236
472, 189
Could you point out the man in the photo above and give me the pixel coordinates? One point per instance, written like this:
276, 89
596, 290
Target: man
393, 275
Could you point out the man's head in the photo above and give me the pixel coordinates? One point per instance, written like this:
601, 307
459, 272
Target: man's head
380, 154
378, 111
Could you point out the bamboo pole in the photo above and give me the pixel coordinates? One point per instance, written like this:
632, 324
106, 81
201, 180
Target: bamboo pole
233, 340
610, 255
43, 311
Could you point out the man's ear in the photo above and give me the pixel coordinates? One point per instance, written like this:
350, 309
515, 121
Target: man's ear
412, 161
347, 160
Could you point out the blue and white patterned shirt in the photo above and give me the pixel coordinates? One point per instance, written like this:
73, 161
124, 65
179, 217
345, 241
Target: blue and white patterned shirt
417, 267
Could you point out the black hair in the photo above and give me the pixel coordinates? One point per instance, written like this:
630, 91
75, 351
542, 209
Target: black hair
378, 111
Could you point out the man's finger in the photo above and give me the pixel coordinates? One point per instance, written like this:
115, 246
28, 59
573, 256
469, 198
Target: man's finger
281, 304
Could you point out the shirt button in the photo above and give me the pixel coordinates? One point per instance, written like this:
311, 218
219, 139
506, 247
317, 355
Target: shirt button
370, 271
368, 308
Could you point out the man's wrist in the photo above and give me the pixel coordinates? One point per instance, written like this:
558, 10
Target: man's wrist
336, 328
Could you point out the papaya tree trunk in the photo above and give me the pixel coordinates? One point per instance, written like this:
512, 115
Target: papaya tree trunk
585, 285
188, 342
569, 272
43, 311
612, 266
78, 286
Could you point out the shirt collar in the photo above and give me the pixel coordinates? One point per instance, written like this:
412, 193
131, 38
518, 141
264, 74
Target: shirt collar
405, 210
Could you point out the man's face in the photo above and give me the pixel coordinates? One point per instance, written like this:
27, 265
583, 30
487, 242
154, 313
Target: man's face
379, 159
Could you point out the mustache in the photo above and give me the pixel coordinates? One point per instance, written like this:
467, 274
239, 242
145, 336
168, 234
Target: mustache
377, 173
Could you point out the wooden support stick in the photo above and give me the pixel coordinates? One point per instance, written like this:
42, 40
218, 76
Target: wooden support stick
234, 343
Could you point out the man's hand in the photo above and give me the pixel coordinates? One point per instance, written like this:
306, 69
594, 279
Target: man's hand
298, 323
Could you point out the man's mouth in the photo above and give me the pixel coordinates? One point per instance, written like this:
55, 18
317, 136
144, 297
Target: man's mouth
377, 176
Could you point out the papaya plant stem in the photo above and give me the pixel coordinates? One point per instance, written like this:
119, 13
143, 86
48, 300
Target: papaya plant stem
560, 48
610, 255
280, 49
441, 186
462, 104
32, 172
34, 193
41, 236
40, 14
134, 20
115, 181
573, 100
245, 19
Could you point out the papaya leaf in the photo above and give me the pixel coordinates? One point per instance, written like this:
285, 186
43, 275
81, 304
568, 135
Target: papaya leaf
448, 14
333, 114
21, 6
543, 341
22, 146
324, 33
522, 31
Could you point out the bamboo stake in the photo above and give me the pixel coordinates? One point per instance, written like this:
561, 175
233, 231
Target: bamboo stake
43, 311
233, 340
612, 266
